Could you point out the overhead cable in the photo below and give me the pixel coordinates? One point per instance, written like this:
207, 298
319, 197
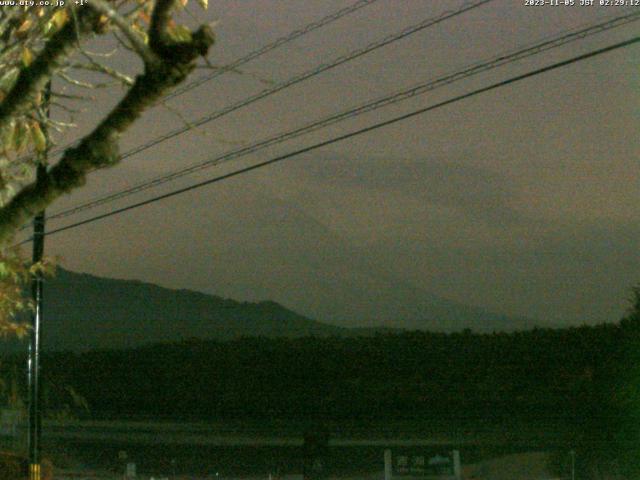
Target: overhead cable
349, 135
422, 88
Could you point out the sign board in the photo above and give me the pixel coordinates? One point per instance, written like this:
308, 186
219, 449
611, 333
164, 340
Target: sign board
414, 464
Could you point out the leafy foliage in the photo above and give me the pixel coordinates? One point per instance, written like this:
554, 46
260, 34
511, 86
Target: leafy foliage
15, 275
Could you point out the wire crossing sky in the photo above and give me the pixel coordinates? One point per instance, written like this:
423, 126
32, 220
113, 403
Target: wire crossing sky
388, 40
349, 135
280, 42
520, 201
424, 24
473, 69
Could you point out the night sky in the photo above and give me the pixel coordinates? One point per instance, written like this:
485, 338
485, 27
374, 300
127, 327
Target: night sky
523, 201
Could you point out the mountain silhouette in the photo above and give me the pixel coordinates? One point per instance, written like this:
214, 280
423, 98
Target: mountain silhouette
87, 312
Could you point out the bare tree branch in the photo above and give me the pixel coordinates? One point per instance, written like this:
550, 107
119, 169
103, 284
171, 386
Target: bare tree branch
134, 37
123, 43
98, 67
77, 83
32, 79
160, 19
173, 62
69, 96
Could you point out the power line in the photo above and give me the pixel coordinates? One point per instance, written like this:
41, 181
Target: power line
346, 136
471, 70
239, 62
272, 46
429, 22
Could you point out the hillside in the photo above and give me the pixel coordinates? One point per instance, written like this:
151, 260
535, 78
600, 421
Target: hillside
299, 262
87, 312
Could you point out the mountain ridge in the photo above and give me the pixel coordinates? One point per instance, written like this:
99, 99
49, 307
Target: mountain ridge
84, 312
87, 312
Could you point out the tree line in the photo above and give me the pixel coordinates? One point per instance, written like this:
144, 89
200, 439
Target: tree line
585, 378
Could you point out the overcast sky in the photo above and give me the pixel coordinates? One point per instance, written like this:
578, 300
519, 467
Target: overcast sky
523, 201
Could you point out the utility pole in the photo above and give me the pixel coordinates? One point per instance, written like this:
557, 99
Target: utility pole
37, 286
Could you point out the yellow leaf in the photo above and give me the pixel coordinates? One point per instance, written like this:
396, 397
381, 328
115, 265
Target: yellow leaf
24, 27
48, 28
8, 134
179, 33
141, 31
8, 79
20, 136
60, 18
27, 57
21, 330
204, 3
39, 139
